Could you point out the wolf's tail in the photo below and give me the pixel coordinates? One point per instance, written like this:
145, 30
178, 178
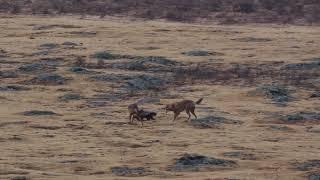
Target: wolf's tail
199, 101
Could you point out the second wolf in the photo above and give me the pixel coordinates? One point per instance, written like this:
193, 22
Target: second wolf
184, 105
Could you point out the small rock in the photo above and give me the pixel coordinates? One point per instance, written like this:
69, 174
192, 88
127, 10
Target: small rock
67, 43
20, 178
39, 113
315, 129
315, 95
195, 162
129, 172
81, 70
49, 46
104, 55
70, 97
202, 53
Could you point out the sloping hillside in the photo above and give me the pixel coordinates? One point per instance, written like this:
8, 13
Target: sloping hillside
223, 11
66, 83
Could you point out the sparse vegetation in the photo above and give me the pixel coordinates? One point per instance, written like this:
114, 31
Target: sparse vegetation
80, 62
129, 172
282, 11
105, 55
302, 117
201, 53
64, 112
47, 79
196, 162
212, 122
38, 113
277, 93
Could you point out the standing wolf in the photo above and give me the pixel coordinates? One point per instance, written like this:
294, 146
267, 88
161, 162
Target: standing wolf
184, 105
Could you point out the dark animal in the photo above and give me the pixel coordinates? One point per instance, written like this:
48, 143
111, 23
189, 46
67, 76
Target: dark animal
141, 115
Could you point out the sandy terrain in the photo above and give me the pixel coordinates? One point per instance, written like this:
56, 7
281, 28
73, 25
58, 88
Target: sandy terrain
90, 135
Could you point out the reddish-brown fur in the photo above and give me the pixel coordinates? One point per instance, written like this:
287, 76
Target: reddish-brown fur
184, 105
133, 109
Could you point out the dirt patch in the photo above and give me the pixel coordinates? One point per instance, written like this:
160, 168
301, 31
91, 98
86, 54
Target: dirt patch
212, 122
147, 100
52, 26
83, 33
45, 127
3, 124
313, 129
240, 155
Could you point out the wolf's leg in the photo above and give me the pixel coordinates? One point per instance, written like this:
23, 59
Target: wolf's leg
192, 111
188, 112
175, 116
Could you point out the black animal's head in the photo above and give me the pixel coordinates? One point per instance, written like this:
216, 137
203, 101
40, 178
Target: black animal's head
152, 114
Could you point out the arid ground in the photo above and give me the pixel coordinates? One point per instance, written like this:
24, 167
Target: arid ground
66, 83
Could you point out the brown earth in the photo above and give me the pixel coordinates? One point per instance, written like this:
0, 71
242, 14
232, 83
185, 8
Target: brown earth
69, 125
